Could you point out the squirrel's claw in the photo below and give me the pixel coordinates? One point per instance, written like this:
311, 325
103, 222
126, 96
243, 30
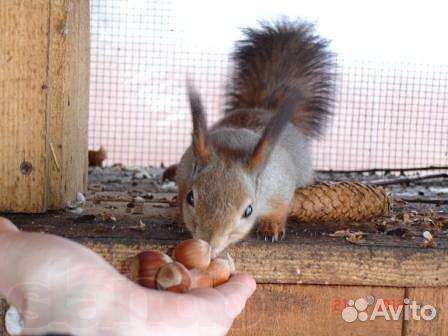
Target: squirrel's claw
271, 230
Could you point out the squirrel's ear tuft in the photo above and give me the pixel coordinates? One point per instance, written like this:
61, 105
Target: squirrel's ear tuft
273, 131
200, 144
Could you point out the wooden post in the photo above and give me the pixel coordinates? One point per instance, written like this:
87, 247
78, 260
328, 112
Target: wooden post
44, 90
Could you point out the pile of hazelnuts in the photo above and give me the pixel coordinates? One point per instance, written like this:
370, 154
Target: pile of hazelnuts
190, 267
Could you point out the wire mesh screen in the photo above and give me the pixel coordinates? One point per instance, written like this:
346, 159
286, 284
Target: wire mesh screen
388, 115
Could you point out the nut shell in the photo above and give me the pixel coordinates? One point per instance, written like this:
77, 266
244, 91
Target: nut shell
144, 267
219, 270
200, 279
193, 253
174, 277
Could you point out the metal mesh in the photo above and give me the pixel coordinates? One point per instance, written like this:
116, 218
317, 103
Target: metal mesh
388, 115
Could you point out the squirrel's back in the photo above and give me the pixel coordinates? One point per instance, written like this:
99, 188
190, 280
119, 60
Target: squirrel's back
275, 62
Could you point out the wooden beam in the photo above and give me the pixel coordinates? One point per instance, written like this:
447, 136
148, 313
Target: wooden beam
378, 260
3, 308
331, 263
437, 297
68, 100
295, 310
303, 310
23, 79
44, 76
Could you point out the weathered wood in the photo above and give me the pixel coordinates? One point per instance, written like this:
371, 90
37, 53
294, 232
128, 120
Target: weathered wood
330, 263
44, 76
437, 297
68, 100
303, 257
23, 77
311, 310
298, 310
3, 307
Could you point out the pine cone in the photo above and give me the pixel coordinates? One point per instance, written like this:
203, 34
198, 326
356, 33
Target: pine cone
340, 201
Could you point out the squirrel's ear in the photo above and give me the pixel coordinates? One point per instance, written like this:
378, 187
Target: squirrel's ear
200, 144
273, 131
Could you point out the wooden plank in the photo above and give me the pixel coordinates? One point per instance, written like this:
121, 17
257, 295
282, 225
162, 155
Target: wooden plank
380, 260
298, 310
312, 310
437, 297
309, 263
68, 100
44, 90
3, 308
23, 77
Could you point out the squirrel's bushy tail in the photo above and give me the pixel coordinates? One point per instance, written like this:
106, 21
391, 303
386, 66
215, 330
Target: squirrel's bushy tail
277, 60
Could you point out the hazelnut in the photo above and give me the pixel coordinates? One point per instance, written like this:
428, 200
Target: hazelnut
219, 270
200, 279
144, 267
174, 277
193, 253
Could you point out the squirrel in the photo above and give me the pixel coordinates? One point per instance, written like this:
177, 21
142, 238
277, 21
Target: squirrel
244, 170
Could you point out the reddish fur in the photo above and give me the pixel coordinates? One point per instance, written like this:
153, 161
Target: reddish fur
200, 143
96, 158
274, 223
255, 120
170, 173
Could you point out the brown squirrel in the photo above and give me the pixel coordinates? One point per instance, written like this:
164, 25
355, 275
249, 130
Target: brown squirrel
244, 170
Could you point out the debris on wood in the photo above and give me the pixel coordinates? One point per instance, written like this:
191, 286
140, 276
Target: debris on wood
108, 217
96, 187
136, 206
78, 202
148, 196
428, 240
141, 173
399, 232
340, 233
169, 187
76, 211
139, 203
354, 237
140, 227
85, 219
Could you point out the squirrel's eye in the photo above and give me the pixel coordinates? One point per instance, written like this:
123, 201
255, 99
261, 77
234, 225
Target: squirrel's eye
248, 211
190, 198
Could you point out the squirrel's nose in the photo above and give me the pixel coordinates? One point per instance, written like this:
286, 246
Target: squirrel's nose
217, 248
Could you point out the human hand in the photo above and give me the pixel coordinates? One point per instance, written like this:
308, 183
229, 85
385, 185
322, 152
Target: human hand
59, 286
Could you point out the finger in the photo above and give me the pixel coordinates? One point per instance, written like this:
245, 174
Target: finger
237, 291
7, 226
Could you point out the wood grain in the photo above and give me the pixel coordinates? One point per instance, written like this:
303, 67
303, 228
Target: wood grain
23, 77
298, 310
68, 100
44, 76
335, 264
311, 310
303, 257
437, 297
3, 308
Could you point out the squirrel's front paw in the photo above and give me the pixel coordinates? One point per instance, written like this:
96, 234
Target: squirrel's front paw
271, 229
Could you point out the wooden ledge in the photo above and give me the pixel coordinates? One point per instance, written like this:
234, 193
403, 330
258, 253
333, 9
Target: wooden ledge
308, 255
378, 260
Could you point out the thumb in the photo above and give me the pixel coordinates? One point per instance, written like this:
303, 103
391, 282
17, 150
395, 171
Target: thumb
7, 226
237, 290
